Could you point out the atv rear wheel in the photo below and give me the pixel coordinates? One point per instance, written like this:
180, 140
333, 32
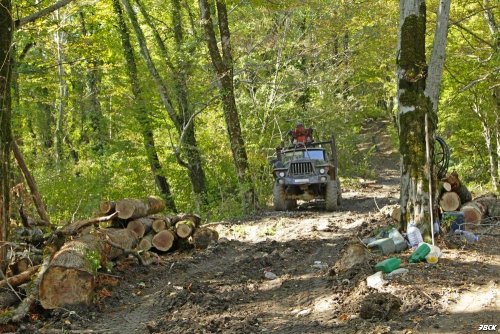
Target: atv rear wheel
331, 196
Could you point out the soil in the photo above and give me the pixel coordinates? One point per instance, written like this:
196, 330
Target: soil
275, 273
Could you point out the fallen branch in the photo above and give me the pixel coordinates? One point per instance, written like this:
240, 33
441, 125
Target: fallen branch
74, 228
19, 279
32, 294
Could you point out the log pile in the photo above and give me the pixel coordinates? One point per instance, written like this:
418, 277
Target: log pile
453, 193
126, 227
454, 196
481, 208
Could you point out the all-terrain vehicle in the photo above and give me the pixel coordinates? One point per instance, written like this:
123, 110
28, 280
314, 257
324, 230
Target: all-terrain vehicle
306, 170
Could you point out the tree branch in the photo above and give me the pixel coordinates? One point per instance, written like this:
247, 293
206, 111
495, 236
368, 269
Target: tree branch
35, 16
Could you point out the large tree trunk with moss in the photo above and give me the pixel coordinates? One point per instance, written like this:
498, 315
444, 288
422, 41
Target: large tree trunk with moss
413, 105
223, 64
418, 96
142, 114
6, 30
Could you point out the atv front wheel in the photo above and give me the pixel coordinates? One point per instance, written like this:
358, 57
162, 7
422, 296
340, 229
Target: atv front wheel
280, 202
331, 196
279, 197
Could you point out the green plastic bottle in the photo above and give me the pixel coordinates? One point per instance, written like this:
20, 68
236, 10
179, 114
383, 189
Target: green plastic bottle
420, 253
388, 265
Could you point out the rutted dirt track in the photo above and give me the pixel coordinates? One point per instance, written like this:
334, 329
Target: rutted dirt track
224, 289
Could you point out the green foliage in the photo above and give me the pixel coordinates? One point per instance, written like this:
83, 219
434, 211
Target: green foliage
94, 260
328, 64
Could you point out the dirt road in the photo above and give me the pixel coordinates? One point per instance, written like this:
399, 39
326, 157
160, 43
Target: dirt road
273, 274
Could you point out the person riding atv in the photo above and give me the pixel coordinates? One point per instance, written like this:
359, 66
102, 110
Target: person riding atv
306, 170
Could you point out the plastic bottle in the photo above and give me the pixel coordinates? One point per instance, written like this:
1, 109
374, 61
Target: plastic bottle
434, 254
399, 240
420, 253
414, 235
469, 236
388, 265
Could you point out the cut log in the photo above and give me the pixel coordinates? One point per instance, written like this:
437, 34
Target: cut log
19, 279
164, 240
107, 207
137, 208
188, 216
202, 237
37, 198
449, 201
69, 278
446, 186
491, 203
464, 194
159, 225
140, 226
473, 211
185, 228
145, 244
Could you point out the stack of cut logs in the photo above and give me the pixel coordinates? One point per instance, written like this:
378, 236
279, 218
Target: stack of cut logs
455, 196
154, 231
135, 229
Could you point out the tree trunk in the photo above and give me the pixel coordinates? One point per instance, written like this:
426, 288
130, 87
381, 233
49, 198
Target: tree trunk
70, 277
158, 225
164, 240
489, 139
142, 114
413, 106
30, 180
135, 208
93, 106
63, 91
6, 30
183, 118
436, 63
450, 201
223, 65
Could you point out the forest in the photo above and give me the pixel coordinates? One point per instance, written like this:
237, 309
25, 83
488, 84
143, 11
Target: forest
112, 100
183, 104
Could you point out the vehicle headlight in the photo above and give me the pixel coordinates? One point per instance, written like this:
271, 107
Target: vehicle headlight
322, 171
323, 178
281, 174
281, 181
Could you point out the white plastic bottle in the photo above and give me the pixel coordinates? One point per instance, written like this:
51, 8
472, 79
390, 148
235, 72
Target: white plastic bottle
434, 254
414, 235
